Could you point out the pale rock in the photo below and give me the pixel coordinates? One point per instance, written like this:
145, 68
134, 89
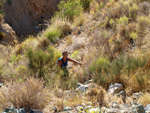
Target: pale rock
115, 88
94, 110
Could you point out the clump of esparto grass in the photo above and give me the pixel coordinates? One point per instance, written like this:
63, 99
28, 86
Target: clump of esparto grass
31, 94
143, 23
144, 8
100, 37
1, 18
97, 96
53, 34
69, 41
58, 29
18, 49
145, 99
31, 42
78, 45
43, 43
66, 29
60, 105
79, 21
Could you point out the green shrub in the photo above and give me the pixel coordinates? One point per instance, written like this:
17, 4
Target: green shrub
134, 35
123, 20
112, 23
53, 34
100, 70
69, 9
2, 35
40, 61
105, 72
85, 4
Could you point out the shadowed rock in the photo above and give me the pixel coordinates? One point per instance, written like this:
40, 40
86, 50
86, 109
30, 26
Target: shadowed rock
25, 16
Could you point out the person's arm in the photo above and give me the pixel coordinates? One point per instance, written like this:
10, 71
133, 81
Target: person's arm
74, 61
59, 63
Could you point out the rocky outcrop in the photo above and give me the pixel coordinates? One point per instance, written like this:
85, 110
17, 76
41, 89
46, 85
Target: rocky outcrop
25, 16
7, 35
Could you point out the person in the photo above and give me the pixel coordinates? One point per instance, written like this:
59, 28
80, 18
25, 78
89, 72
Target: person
63, 61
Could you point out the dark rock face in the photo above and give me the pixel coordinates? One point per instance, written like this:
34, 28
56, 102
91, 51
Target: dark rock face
25, 16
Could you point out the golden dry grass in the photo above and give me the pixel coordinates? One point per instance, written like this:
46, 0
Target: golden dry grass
145, 99
97, 96
69, 41
79, 21
29, 94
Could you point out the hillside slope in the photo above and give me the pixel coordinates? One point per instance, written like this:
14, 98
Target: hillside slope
111, 39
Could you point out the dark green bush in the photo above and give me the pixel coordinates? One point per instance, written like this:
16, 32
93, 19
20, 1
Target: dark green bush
69, 9
85, 4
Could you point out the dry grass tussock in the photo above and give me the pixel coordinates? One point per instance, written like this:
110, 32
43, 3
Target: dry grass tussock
60, 104
59, 28
29, 94
145, 99
98, 96
75, 99
79, 21
1, 18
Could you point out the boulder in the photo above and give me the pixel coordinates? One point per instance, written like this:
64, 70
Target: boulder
13, 110
35, 111
114, 105
67, 108
88, 82
112, 110
7, 34
1, 84
138, 109
94, 110
79, 108
88, 107
82, 87
136, 96
115, 88
147, 109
